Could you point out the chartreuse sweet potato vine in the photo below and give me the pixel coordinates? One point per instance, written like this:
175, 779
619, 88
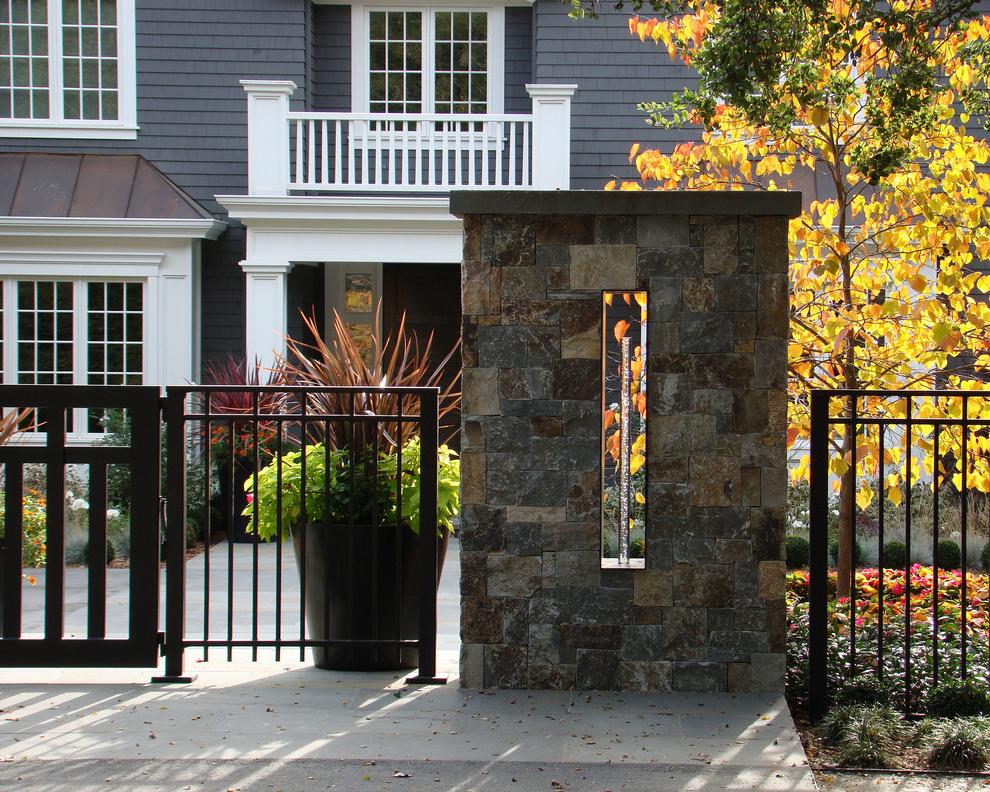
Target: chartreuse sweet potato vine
337, 494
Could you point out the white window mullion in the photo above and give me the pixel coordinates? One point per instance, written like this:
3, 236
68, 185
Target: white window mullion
9, 331
429, 44
55, 101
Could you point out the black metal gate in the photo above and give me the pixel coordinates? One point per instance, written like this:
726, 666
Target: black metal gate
61, 426
53, 415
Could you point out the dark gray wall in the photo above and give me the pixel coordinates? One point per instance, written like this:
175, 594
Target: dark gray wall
613, 71
518, 58
331, 57
192, 113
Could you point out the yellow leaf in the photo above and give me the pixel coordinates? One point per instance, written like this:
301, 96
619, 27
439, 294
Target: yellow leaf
640, 498
635, 463
633, 151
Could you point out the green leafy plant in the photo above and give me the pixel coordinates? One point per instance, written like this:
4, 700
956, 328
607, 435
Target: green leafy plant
959, 697
866, 691
339, 491
867, 736
893, 554
959, 744
797, 552
947, 555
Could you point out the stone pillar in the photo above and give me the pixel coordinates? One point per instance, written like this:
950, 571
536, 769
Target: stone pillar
265, 318
537, 611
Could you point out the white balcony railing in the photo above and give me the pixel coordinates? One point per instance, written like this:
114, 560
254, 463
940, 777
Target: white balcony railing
328, 152
344, 151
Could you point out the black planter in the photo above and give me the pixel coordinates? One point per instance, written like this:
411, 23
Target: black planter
361, 583
233, 520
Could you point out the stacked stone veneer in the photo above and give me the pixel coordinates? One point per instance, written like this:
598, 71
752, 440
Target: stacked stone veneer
537, 611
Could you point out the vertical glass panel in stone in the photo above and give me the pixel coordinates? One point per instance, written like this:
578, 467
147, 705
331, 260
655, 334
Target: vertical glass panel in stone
624, 459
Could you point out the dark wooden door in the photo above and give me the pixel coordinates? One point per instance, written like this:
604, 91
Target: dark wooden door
430, 296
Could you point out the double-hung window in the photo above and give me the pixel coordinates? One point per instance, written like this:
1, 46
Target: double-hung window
428, 60
67, 68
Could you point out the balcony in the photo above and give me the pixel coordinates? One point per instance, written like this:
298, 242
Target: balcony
326, 153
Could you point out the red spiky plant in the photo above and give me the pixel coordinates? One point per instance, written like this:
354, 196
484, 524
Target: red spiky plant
397, 360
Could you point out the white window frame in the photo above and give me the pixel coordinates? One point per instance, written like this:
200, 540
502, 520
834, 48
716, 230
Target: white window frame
112, 268
55, 126
360, 60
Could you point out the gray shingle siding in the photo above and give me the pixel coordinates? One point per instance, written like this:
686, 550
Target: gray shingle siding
613, 71
192, 115
518, 58
331, 57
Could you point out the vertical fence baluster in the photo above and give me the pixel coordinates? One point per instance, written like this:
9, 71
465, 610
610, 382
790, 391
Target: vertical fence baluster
512, 154
97, 555
324, 153
55, 525
175, 537
311, 149
303, 519
964, 589
527, 177
278, 536
231, 531
299, 151
909, 438
499, 142
818, 607
338, 152
13, 483
881, 496
256, 460
209, 531
852, 530
935, 498
427, 556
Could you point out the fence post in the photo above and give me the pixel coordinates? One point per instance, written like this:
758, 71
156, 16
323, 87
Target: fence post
551, 135
428, 435
818, 606
175, 539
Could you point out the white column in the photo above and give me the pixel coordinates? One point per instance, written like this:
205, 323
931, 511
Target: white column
551, 135
268, 135
265, 310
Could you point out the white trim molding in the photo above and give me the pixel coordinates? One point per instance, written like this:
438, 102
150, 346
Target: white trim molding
167, 265
113, 227
352, 230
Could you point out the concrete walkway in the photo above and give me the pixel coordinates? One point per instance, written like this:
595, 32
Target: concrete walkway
287, 726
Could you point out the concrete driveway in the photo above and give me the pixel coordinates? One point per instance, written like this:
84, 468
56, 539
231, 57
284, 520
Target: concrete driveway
287, 726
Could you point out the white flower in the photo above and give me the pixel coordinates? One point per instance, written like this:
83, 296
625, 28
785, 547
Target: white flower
113, 514
79, 505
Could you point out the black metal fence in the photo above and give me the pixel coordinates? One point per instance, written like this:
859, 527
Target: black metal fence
344, 478
916, 464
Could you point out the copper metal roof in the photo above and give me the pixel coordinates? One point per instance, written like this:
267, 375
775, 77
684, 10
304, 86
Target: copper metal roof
90, 185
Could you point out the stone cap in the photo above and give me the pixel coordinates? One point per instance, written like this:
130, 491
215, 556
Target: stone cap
624, 202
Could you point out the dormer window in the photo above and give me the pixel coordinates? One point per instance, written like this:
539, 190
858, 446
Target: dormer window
67, 68
428, 60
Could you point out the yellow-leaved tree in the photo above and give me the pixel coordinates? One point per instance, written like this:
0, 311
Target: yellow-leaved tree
887, 289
